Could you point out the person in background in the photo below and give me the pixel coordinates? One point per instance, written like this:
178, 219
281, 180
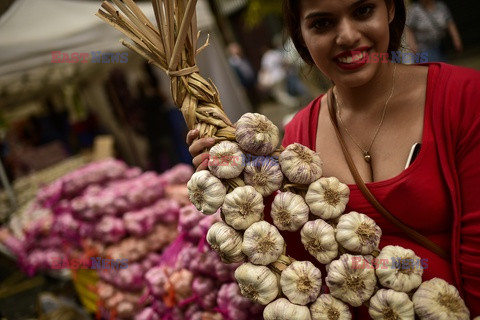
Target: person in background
428, 23
244, 71
374, 115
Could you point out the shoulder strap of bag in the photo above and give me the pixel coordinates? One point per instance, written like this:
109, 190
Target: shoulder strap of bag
414, 235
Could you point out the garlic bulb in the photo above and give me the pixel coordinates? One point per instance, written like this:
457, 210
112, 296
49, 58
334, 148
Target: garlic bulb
301, 282
439, 300
226, 160
282, 309
206, 191
256, 134
318, 237
327, 197
349, 283
264, 174
257, 283
400, 269
289, 211
262, 243
358, 233
226, 241
327, 307
242, 207
300, 164
389, 304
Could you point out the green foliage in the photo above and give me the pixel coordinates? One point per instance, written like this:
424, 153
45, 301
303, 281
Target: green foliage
257, 10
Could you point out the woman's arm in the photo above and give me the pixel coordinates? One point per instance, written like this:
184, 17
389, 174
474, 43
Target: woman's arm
410, 37
456, 39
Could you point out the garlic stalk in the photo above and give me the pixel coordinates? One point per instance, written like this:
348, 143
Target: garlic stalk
349, 283
206, 191
318, 237
300, 164
439, 300
262, 243
301, 282
264, 174
242, 207
226, 241
226, 160
358, 233
388, 304
289, 211
257, 283
400, 269
327, 307
327, 197
256, 134
282, 309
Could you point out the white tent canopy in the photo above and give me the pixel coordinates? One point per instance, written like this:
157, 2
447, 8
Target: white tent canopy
31, 30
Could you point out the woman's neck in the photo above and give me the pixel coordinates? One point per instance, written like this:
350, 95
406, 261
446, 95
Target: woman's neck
370, 97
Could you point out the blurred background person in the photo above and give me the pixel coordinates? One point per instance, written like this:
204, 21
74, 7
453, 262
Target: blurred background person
429, 22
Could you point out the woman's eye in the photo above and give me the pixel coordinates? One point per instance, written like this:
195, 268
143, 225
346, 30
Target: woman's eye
364, 11
322, 24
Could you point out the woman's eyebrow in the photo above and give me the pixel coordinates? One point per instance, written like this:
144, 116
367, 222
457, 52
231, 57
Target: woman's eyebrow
327, 14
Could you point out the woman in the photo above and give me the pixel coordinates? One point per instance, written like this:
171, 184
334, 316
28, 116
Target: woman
383, 109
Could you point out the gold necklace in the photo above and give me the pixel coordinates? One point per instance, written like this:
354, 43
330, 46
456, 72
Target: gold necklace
366, 152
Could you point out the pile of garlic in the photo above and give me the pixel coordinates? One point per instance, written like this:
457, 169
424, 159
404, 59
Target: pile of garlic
347, 243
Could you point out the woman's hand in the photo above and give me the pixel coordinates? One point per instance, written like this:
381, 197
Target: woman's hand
200, 160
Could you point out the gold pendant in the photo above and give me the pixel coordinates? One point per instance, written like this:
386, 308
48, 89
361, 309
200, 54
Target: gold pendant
367, 156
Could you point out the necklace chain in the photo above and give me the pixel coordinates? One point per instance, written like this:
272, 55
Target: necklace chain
366, 152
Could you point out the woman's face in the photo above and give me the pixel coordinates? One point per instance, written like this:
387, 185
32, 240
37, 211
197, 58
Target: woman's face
340, 34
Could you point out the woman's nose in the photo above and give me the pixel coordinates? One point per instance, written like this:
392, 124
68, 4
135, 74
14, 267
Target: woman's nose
348, 35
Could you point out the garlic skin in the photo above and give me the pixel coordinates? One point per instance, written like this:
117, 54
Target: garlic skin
264, 174
301, 282
390, 304
327, 307
348, 282
289, 211
206, 192
226, 160
256, 134
327, 197
262, 243
282, 309
300, 164
400, 270
226, 241
257, 283
358, 233
439, 300
318, 237
242, 207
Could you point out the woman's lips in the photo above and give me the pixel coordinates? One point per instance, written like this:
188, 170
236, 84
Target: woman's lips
353, 59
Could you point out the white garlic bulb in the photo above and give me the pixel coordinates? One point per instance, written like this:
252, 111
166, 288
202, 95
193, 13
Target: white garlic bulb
389, 304
439, 300
262, 243
264, 174
301, 282
289, 211
242, 207
327, 197
348, 282
327, 307
300, 164
226, 241
257, 283
206, 191
318, 237
256, 134
400, 269
282, 309
358, 233
226, 160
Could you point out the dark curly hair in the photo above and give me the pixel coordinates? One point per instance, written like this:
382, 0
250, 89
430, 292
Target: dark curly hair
291, 14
